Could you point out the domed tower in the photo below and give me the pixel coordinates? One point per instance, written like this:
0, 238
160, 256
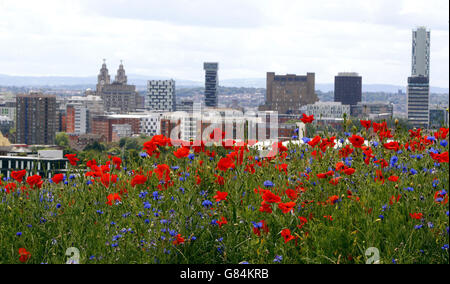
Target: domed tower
121, 78
103, 78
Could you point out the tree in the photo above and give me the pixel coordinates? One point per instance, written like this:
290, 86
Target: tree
62, 139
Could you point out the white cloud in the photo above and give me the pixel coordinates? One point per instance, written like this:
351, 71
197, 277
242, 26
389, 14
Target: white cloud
248, 38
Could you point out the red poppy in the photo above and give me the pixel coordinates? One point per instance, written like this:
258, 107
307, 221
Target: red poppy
286, 234
332, 199
117, 162
292, 194
138, 179
345, 152
440, 158
417, 216
35, 180
286, 207
182, 152
366, 124
178, 240
349, 171
220, 196
18, 175
222, 222
24, 255
393, 178
316, 140
113, 197
72, 159
392, 146
303, 221
58, 178
265, 207
225, 164
106, 179
269, 197
357, 141
307, 119
264, 227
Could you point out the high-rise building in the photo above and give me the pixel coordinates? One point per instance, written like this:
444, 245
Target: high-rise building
160, 95
419, 83
348, 88
420, 52
36, 119
211, 84
418, 101
287, 94
118, 97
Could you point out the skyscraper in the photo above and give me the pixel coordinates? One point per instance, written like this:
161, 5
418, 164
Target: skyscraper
420, 52
211, 83
36, 119
348, 88
160, 95
286, 94
418, 101
419, 82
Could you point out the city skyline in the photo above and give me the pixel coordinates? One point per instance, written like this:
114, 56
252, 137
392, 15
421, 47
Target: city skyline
172, 39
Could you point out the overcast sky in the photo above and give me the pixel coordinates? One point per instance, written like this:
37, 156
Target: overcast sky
247, 37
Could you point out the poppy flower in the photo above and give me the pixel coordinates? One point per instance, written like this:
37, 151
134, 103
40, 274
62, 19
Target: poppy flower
307, 119
220, 196
225, 164
138, 179
303, 221
72, 159
316, 140
113, 197
349, 171
357, 141
417, 216
269, 197
265, 207
58, 178
182, 152
286, 207
35, 180
392, 146
18, 175
286, 234
292, 194
366, 124
222, 222
24, 255
117, 162
393, 178
258, 226
178, 240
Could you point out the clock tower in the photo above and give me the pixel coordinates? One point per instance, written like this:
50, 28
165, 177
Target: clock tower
103, 78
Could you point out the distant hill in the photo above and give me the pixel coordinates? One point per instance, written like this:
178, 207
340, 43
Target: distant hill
140, 80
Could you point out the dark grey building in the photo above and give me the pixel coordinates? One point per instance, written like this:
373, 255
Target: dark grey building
348, 88
211, 84
418, 101
36, 119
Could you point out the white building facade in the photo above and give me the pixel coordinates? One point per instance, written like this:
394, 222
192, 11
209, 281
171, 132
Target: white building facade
161, 95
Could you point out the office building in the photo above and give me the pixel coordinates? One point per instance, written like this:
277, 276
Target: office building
36, 119
348, 88
160, 95
211, 84
418, 101
420, 52
287, 94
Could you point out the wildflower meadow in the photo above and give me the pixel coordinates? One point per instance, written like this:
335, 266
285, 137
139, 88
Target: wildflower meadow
372, 195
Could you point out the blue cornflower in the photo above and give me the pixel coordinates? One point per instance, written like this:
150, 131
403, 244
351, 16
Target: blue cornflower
143, 155
207, 203
268, 183
393, 161
58, 205
413, 171
445, 247
444, 143
191, 156
147, 205
278, 258
19, 234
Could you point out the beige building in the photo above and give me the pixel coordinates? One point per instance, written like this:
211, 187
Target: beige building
286, 94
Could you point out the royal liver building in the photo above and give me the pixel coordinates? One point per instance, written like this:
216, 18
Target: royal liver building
118, 96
